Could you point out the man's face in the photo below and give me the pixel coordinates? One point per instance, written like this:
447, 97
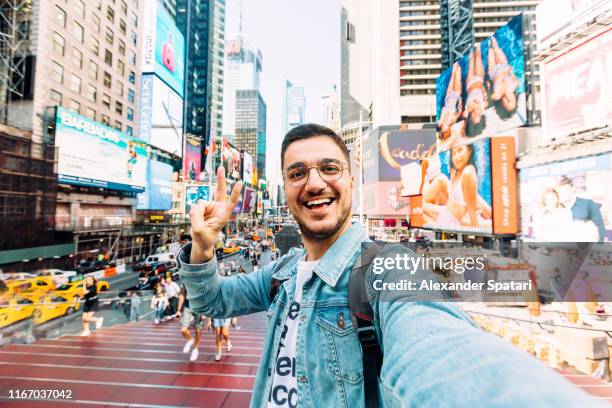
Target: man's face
318, 221
566, 193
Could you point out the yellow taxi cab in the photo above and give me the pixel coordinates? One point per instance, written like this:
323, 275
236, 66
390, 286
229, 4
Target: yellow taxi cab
74, 289
53, 306
14, 308
39, 284
231, 249
269, 233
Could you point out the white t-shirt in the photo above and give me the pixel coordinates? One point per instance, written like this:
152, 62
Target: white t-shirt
284, 385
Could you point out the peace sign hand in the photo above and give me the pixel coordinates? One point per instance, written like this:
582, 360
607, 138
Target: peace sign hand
209, 218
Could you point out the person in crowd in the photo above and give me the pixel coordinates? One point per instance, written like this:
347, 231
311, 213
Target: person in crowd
159, 303
453, 107
504, 81
552, 218
91, 305
476, 102
134, 306
221, 327
432, 351
187, 317
172, 293
586, 213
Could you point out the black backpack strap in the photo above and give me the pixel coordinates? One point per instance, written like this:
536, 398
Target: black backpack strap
363, 319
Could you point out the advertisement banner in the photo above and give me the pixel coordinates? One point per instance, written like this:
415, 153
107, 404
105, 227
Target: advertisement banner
158, 195
164, 47
166, 117
416, 212
457, 189
578, 88
94, 155
570, 201
384, 199
146, 107
259, 203
231, 162
193, 194
247, 167
503, 172
192, 159
483, 93
248, 201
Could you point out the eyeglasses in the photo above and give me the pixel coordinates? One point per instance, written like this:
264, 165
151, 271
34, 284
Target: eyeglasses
297, 176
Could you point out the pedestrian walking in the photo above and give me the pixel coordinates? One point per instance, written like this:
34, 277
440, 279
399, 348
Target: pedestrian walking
134, 307
187, 317
222, 333
90, 306
172, 293
159, 303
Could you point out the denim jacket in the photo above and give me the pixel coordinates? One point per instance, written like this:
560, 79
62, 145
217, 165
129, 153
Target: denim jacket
433, 354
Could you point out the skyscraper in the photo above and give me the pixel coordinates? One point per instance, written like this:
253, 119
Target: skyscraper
203, 25
331, 110
295, 106
251, 114
391, 54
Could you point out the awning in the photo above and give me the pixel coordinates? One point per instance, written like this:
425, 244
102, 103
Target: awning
49, 251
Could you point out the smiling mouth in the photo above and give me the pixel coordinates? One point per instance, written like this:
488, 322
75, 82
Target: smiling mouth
319, 203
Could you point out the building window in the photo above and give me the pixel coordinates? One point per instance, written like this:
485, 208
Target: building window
119, 88
75, 83
110, 14
60, 16
131, 96
132, 59
80, 8
108, 57
96, 22
130, 114
75, 106
134, 38
77, 32
58, 43
134, 19
77, 58
124, 8
93, 70
119, 108
129, 130
107, 79
105, 119
56, 97
106, 101
121, 67
57, 72
118, 125
92, 93
94, 45
90, 113
132, 77
110, 36
122, 27
121, 47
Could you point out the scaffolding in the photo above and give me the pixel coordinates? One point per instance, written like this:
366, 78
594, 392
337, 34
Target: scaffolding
456, 29
15, 20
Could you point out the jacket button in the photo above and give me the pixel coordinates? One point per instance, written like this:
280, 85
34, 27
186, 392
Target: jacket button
303, 379
303, 317
269, 372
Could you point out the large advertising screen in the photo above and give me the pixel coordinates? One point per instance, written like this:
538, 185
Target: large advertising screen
193, 194
94, 155
231, 161
164, 47
247, 167
192, 159
158, 195
248, 200
483, 93
578, 88
568, 201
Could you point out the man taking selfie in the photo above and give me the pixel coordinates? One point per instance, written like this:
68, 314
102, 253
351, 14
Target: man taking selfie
433, 355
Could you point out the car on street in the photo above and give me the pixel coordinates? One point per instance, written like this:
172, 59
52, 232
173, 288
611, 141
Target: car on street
14, 309
60, 277
87, 266
74, 289
53, 306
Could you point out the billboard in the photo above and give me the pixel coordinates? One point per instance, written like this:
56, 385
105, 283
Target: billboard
557, 18
164, 47
578, 88
568, 201
260, 208
384, 199
158, 195
192, 160
248, 200
231, 161
483, 93
94, 155
247, 167
194, 193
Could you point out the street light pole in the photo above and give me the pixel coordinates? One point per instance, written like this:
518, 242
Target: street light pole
361, 167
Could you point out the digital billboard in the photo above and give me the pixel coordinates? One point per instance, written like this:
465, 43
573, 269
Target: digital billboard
192, 159
158, 194
164, 47
260, 207
94, 155
483, 93
231, 161
247, 167
193, 194
248, 200
569, 201
578, 88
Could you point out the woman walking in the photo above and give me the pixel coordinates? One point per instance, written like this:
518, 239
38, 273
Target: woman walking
90, 306
222, 332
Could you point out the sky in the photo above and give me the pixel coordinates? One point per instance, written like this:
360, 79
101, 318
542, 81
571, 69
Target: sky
300, 42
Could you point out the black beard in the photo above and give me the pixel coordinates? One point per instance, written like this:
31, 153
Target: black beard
327, 234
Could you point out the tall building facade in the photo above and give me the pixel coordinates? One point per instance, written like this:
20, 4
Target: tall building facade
294, 106
251, 112
202, 22
330, 105
391, 55
243, 66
